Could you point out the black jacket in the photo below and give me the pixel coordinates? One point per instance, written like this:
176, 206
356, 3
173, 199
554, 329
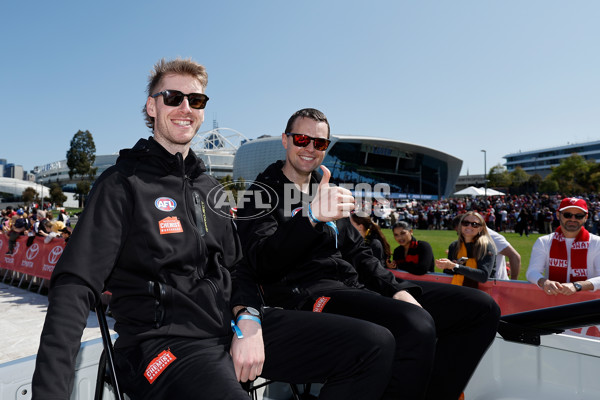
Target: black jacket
151, 235
292, 259
418, 260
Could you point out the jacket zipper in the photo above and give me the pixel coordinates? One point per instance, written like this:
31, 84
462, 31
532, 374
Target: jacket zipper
185, 182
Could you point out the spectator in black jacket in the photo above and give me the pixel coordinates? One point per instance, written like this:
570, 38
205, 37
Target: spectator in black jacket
165, 254
414, 256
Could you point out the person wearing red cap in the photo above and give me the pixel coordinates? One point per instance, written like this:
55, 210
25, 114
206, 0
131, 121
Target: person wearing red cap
567, 261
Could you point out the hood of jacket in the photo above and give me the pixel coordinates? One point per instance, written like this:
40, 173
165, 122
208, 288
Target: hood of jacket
153, 154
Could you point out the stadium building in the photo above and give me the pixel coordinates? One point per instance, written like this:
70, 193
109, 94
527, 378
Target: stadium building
541, 161
58, 172
16, 187
216, 148
412, 171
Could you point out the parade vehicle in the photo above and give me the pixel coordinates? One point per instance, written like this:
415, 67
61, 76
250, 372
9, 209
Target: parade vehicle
547, 347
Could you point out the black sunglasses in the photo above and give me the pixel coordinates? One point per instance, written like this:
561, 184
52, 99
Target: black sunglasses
173, 98
569, 215
301, 140
469, 223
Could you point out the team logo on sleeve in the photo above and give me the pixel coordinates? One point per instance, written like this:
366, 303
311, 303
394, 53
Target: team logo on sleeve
170, 225
166, 204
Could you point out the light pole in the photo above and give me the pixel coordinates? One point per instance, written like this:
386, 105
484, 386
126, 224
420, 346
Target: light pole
485, 171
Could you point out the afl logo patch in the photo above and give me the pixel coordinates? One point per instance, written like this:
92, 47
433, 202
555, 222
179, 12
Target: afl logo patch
165, 204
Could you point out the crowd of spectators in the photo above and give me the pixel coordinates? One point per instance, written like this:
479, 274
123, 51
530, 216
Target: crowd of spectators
32, 222
522, 214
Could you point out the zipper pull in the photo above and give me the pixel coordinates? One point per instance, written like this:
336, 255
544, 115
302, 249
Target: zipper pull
199, 210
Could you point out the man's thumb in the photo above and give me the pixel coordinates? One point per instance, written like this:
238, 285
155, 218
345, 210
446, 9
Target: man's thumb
326, 176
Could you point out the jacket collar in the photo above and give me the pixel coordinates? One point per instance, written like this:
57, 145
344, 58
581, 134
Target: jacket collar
151, 152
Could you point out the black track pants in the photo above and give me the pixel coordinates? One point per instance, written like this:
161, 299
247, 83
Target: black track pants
352, 358
438, 346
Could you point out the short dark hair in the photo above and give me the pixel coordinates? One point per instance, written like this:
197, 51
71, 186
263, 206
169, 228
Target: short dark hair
311, 113
401, 225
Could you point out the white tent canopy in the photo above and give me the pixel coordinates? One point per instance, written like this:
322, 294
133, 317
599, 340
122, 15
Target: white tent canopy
493, 192
469, 191
475, 191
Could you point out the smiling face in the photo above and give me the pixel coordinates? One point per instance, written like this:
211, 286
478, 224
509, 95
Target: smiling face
175, 127
467, 228
570, 226
402, 236
301, 161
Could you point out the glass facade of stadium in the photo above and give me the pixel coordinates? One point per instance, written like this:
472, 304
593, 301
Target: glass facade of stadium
58, 171
541, 161
412, 171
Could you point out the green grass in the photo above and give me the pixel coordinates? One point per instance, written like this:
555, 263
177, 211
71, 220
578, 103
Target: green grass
440, 240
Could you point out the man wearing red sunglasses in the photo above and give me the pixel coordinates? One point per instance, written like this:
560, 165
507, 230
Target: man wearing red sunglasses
567, 261
189, 320
308, 256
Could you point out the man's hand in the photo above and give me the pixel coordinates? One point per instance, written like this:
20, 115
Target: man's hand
554, 288
568, 289
248, 354
331, 202
403, 295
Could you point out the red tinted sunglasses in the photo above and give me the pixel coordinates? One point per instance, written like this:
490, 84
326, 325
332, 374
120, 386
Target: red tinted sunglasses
301, 140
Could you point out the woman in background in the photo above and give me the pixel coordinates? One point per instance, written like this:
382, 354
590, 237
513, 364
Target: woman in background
374, 238
413, 256
472, 257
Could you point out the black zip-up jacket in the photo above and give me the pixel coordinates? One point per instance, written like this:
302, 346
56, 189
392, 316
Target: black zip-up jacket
293, 260
151, 235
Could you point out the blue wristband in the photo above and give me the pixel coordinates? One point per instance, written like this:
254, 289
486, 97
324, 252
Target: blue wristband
331, 224
311, 217
250, 317
236, 329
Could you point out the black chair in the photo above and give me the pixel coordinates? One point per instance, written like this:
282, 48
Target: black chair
106, 365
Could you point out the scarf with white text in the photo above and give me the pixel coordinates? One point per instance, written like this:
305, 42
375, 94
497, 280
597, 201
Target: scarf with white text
558, 262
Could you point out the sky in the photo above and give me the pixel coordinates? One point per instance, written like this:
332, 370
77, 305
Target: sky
458, 76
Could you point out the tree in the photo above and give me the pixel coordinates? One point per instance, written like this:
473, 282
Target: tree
28, 195
499, 177
535, 181
519, 176
80, 160
519, 180
56, 195
572, 174
548, 185
233, 186
594, 178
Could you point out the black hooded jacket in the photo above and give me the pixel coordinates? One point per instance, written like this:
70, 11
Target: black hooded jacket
293, 260
151, 234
